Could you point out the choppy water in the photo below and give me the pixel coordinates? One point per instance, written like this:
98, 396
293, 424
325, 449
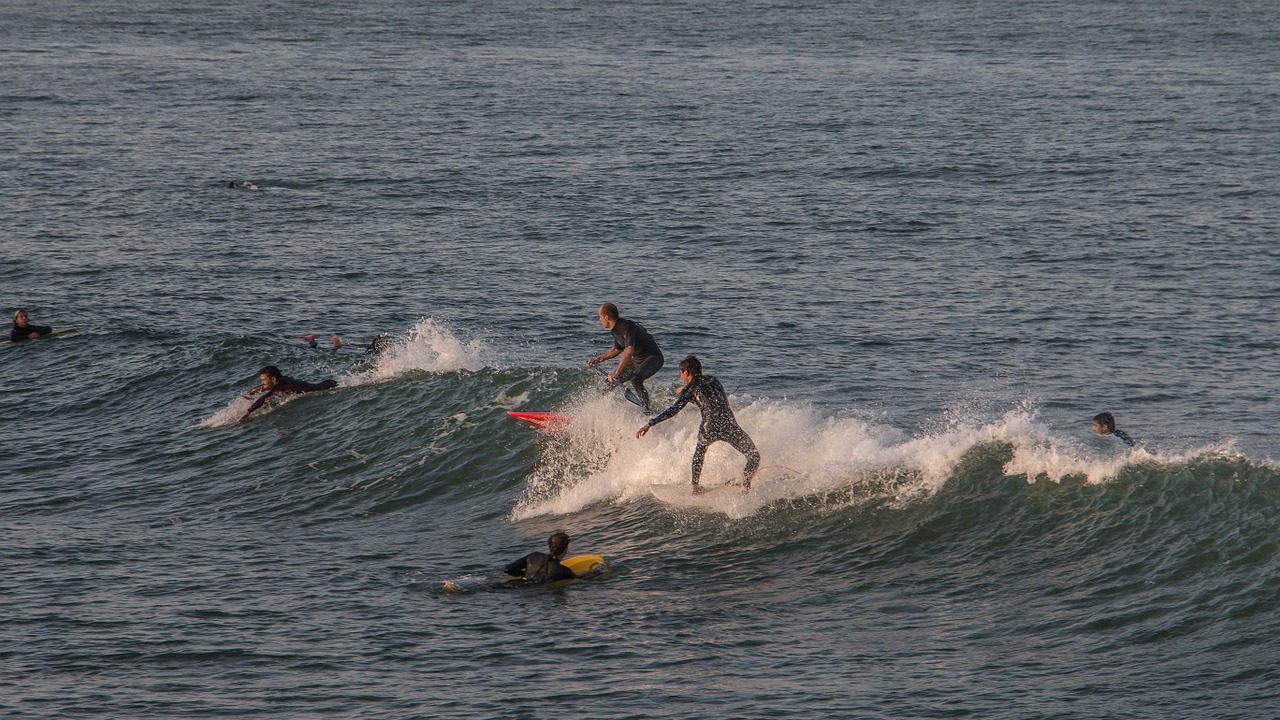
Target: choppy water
922, 244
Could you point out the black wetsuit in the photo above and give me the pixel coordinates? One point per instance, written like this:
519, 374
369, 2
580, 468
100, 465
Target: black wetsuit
289, 386
19, 333
1124, 436
646, 357
718, 423
540, 567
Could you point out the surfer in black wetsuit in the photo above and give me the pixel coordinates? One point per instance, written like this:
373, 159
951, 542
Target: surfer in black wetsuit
718, 422
273, 383
1105, 424
641, 356
544, 567
23, 330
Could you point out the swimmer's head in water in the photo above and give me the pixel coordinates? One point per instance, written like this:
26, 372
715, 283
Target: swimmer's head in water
20, 317
1104, 423
558, 544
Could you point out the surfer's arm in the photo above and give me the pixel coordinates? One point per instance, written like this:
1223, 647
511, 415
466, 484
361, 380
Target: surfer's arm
256, 404
1124, 436
610, 353
517, 568
681, 400
622, 362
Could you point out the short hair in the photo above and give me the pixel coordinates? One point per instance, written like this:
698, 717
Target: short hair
270, 371
691, 365
1107, 420
18, 312
558, 543
610, 311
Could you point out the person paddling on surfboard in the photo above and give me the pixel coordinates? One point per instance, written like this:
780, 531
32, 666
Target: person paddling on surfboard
544, 567
718, 422
641, 357
23, 330
273, 383
1104, 423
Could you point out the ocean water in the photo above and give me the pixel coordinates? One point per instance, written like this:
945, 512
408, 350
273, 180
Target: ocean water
920, 243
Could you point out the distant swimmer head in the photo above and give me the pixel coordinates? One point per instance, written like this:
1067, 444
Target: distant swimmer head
558, 544
1104, 423
242, 185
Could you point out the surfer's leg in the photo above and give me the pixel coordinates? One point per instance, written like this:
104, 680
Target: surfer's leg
742, 442
642, 373
699, 454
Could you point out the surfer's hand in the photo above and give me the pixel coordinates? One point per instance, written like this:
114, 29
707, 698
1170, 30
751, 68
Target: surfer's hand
640, 433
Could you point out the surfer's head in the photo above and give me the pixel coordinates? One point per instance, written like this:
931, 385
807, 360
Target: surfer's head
608, 313
558, 544
690, 368
20, 317
270, 375
1104, 423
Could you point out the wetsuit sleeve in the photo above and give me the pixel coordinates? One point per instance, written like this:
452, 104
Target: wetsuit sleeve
258, 403
516, 569
677, 406
1123, 436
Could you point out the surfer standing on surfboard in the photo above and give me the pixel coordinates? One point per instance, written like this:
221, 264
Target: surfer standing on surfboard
21, 330
273, 383
718, 422
641, 356
544, 567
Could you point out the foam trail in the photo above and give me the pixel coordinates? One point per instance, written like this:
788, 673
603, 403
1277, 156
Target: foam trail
429, 346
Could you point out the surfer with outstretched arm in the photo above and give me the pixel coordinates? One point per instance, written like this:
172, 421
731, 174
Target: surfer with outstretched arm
1104, 423
641, 357
273, 383
23, 330
718, 422
544, 567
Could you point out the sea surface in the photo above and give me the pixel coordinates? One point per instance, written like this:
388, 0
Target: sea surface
921, 243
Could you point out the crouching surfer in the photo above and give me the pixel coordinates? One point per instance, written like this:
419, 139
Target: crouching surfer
273, 383
544, 567
718, 422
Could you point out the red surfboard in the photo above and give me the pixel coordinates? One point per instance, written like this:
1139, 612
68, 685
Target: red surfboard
543, 420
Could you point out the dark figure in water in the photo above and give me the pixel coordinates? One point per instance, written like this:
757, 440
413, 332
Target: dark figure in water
1105, 424
242, 185
718, 422
23, 330
641, 356
544, 567
273, 383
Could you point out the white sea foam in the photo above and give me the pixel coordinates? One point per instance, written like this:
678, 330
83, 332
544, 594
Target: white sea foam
839, 460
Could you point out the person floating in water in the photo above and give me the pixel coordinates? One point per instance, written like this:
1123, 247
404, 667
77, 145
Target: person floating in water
242, 185
273, 383
23, 330
641, 357
544, 567
718, 422
1105, 424
313, 343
